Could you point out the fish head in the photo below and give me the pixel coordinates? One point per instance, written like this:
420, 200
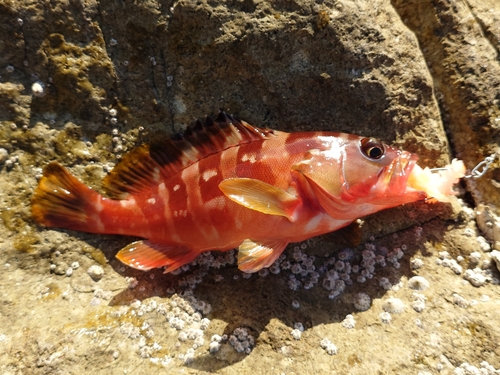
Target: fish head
376, 173
350, 170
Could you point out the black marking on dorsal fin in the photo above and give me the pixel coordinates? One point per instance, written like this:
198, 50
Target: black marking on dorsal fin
142, 168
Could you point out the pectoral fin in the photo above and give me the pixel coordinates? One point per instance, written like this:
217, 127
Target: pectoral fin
252, 256
145, 255
260, 196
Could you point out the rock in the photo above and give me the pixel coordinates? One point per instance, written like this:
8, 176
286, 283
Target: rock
488, 222
495, 255
83, 82
450, 33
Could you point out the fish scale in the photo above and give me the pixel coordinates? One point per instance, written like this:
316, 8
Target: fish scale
227, 184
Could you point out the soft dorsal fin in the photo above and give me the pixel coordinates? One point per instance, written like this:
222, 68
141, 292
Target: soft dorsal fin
141, 168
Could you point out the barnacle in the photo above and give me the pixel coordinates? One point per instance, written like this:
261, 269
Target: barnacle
393, 306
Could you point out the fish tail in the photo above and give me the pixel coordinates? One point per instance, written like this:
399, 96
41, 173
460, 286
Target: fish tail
62, 201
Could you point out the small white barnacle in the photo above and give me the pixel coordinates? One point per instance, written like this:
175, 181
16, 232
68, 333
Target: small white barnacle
349, 322
328, 346
362, 301
214, 347
418, 283
385, 317
393, 305
418, 305
38, 89
296, 334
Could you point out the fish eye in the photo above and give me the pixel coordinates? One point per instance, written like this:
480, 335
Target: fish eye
372, 148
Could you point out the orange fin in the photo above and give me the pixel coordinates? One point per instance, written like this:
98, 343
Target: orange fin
260, 196
60, 200
141, 168
144, 255
252, 256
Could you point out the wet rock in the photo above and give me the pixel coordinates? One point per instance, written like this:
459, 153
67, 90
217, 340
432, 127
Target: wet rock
495, 255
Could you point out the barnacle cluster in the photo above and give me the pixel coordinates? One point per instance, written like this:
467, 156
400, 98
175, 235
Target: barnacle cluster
329, 346
480, 274
241, 340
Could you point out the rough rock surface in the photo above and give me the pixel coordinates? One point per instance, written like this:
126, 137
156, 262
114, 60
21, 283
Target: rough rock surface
82, 82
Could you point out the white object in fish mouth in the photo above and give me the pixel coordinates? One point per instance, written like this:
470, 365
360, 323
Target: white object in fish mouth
437, 184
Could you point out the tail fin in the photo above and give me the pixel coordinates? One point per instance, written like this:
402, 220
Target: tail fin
60, 200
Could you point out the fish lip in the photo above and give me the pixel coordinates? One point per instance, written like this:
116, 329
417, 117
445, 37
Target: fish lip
397, 173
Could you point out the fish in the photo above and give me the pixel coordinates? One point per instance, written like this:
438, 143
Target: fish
227, 184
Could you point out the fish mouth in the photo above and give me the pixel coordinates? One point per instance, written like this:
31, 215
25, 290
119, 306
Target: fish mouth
392, 187
395, 175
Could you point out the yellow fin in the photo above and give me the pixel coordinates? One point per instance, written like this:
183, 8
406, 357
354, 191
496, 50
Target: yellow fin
252, 256
260, 196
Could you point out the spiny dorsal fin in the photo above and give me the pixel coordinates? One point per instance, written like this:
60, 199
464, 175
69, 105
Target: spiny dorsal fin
141, 168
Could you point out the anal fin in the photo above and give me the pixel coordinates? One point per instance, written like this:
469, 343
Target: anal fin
253, 256
145, 255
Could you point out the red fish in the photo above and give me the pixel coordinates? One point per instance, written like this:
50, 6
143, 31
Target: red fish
227, 184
